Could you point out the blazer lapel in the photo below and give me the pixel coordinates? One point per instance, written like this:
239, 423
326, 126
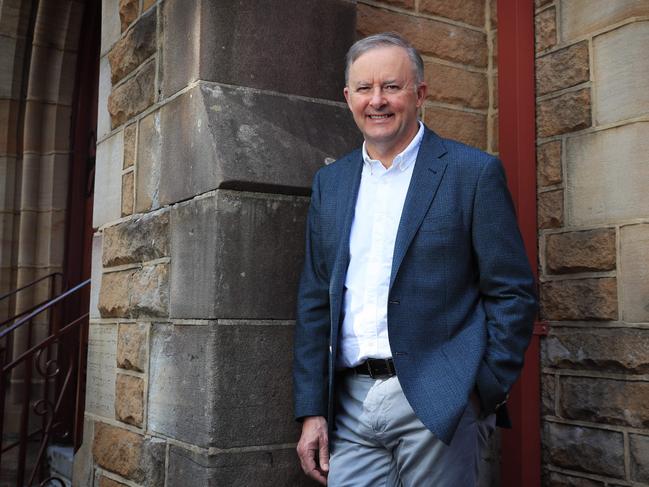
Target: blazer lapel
426, 176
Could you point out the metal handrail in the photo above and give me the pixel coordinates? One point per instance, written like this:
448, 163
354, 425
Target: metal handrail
16, 291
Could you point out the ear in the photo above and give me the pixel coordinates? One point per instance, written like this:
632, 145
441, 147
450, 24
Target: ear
422, 90
347, 97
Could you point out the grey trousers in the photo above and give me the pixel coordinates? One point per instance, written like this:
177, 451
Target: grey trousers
378, 441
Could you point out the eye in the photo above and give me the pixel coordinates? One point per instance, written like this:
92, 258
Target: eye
363, 89
392, 88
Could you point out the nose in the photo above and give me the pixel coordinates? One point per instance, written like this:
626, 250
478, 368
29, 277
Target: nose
377, 100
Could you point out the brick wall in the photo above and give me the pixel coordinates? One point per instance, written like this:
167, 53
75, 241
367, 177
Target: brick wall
593, 216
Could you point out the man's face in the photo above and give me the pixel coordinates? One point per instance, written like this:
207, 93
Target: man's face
383, 95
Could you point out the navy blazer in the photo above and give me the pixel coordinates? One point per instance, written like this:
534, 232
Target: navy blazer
461, 303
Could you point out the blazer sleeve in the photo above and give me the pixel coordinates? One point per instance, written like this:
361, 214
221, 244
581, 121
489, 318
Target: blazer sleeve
312, 328
506, 285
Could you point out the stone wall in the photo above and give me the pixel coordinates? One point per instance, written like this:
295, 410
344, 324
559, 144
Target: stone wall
593, 166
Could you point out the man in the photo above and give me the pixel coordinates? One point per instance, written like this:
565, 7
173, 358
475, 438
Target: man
416, 300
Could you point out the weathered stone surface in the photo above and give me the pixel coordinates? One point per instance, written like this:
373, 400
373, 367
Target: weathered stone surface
607, 173
134, 293
430, 37
232, 403
605, 401
639, 449
134, 48
548, 394
559, 480
148, 163
129, 145
634, 273
103, 117
129, 399
130, 455
562, 69
133, 96
128, 10
108, 482
579, 17
580, 299
110, 24
49, 127
82, 466
214, 41
550, 209
114, 296
458, 86
137, 240
266, 142
470, 11
548, 163
48, 77
545, 29
58, 24
132, 346
467, 127
584, 449
100, 378
108, 180
540, 3
617, 350
590, 250
225, 249
127, 193
621, 69
147, 3
270, 468
564, 113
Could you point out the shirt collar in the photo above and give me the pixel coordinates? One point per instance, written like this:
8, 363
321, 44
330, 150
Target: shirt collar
406, 157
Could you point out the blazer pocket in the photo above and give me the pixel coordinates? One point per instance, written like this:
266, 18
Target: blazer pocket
439, 225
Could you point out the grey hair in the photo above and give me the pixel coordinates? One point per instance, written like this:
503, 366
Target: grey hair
385, 39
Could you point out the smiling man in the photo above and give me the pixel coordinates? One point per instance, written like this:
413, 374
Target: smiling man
416, 300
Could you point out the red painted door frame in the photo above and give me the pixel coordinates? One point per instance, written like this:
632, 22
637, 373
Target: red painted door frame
521, 446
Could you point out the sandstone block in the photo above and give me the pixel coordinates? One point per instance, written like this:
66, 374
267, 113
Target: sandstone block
584, 449
559, 480
467, 127
108, 482
616, 350
471, 11
129, 399
607, 173
548, 163
550, 209
100, 378
580, 299
133, 293
108, 180
548, 395
127, 193
129, 455
605, 401
430, 37
565, 113
579, 17
634, 275
133, 96
562, 69
110, 24
545, 29
148, 163
129, 145
135, 47
128, 11
453, 85
137, 240
591, 250
114, 298
132, 346
639, 448
49, 127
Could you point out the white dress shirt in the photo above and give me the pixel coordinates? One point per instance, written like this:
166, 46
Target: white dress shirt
381, 196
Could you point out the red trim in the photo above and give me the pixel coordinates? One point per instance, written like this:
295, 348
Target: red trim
521, 446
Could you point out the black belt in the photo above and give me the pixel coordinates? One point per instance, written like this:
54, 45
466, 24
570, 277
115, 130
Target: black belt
376, 367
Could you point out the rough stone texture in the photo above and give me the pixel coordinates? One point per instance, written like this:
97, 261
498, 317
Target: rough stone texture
467, 127
548, 163
584, 449
132, 346
564, 113
129, 145
133, 96
148, 163
469, 11
128, 10
563, 68
617, 350
215, 40
590, 250
605, 401
580, 299
555, 479
127, 193
206, 369
114, 298
547, 394
607, 173
129, 399
458, 86
137, 240
107, 482
225, 249
634, 273
579, 17
639, 448
134, 293
266, 142
430, 37
110, 24
270, 468
550, 209
130, 455
545, 29
108, 180
134, 48
621, 69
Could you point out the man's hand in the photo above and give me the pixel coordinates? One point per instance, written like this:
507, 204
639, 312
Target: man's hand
313, 448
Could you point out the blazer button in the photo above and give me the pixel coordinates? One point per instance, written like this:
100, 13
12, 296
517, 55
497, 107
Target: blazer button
394, 301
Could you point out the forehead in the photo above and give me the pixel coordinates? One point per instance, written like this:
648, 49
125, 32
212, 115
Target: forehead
382, 62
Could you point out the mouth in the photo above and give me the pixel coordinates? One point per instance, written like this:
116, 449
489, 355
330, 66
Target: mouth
383, 116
